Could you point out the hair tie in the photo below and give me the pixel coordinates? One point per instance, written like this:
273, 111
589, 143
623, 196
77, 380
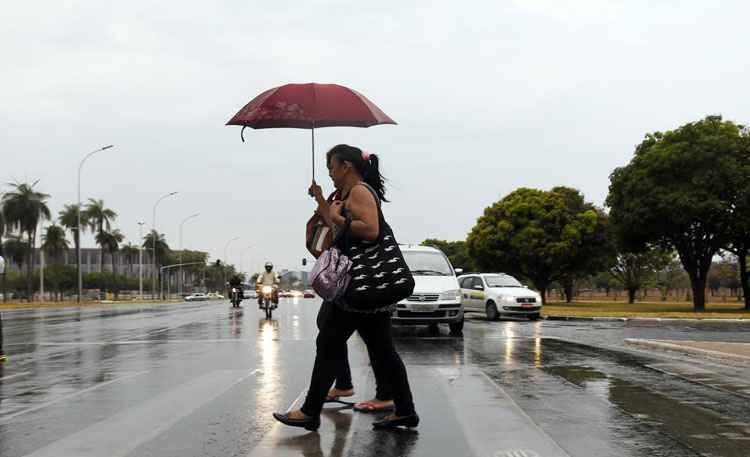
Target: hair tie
365, 156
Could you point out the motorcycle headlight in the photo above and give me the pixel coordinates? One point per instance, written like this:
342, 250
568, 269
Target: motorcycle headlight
451, 295
267, 289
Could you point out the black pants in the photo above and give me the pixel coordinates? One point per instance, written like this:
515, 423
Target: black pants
375, 330
343, 371
1, 334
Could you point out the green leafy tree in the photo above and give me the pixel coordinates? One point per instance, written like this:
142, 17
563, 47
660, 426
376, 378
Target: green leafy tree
678, 191
633, 269
24, 208
156, 243
130, 253
457, 252
540, 235
68, 218
100, 219
739, 229
54, 243
2, 254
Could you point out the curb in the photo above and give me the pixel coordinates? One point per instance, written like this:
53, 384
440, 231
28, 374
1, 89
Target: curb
685, 350
656, 320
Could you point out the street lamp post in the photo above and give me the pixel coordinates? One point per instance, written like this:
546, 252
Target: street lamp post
153, 241
78, 221
179, 275
224, 270
140, 259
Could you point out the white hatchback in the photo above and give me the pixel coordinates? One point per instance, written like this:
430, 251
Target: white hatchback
497, 294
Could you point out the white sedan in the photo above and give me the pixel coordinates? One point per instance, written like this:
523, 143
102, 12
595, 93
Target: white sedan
196, 297
497, 294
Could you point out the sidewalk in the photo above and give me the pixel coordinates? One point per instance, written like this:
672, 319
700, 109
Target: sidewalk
734, 353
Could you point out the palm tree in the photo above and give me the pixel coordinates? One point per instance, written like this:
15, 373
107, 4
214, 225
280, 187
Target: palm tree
2, 254
24, 208
15, 249
54, 243
99, 219
69, 219
110, 241
159, 251
130, 252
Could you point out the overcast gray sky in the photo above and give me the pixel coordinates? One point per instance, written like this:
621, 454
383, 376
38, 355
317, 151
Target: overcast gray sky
489, 96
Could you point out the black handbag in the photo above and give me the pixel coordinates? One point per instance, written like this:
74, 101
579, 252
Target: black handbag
380, 277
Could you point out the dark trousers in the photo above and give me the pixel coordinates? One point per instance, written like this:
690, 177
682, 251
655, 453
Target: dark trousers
1, 334
344, 372
375, 330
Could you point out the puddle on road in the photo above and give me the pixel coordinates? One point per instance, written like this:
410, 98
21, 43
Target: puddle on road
700, 429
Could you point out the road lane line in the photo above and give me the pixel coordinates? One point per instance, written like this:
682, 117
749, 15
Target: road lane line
120, 434
8, 418
17, 375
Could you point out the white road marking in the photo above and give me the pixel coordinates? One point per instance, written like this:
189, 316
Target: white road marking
17, 375
8, 418
125, 431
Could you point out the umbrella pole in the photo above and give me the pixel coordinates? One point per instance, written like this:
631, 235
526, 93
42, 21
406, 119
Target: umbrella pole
313, 151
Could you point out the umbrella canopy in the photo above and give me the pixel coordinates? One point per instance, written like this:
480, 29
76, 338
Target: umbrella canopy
309, 106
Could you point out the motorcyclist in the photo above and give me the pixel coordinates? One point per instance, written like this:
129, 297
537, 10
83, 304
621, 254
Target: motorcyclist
268, 278
235, 282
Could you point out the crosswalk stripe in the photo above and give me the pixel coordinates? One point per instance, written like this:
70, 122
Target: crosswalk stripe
125, 431
505, 429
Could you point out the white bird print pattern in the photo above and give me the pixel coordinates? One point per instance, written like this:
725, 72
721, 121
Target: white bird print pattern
377, 265
357, 257
358, 267
390, 248
360, 277
380, 275
382, 286
398, 271
362, 288
400, 281
393, 260
373, 257
369, 250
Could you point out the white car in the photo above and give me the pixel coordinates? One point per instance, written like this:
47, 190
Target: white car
497, 294
214, 296
436, 298
196, 297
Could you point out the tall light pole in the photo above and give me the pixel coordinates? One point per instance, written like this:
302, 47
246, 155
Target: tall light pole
154, 234
140, 260
78, 221
179, 276
224, 270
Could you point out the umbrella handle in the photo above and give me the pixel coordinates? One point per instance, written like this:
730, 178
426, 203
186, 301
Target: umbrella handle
242, 133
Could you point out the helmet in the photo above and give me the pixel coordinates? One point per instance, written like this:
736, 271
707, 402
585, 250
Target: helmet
269, 264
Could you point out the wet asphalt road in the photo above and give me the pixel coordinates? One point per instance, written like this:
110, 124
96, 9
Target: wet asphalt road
201, 380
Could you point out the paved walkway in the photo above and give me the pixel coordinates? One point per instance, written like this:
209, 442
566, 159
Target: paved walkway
736, 352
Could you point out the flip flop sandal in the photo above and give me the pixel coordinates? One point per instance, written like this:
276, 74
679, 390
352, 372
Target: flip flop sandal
337, 399
369, 407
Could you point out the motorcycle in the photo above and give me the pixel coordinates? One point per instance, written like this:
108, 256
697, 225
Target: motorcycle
267, 300
235, 297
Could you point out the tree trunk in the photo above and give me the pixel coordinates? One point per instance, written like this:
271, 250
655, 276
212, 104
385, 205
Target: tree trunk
568, 291
744, 279
699, 293
543, 293
7, 266
631, 294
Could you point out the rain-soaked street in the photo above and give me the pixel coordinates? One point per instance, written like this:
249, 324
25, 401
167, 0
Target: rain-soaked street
197, 379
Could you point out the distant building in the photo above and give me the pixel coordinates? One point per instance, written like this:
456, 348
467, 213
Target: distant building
90, 262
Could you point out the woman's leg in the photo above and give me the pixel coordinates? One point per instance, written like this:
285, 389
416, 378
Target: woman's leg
375, 330
343, 373
330, 354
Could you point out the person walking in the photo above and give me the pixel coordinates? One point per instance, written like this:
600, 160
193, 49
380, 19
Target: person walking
358, 215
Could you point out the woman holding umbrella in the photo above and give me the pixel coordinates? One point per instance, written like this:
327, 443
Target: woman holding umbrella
356, 175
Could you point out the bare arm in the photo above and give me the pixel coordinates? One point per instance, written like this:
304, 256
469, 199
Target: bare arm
364, 211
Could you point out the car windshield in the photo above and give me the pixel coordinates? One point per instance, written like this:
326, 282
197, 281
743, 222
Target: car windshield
502, 281
428, 263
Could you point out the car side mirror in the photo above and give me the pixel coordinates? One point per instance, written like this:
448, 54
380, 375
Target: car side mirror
459, 271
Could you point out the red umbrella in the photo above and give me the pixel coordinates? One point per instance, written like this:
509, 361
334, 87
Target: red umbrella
309, 106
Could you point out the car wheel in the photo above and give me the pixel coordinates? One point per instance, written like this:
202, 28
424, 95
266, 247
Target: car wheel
534, 317
456, 327
491, 310
433, 329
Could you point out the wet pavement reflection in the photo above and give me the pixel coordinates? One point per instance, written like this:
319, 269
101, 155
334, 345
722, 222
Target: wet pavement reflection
96, 381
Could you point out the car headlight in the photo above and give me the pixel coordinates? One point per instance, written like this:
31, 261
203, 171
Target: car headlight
451, 295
